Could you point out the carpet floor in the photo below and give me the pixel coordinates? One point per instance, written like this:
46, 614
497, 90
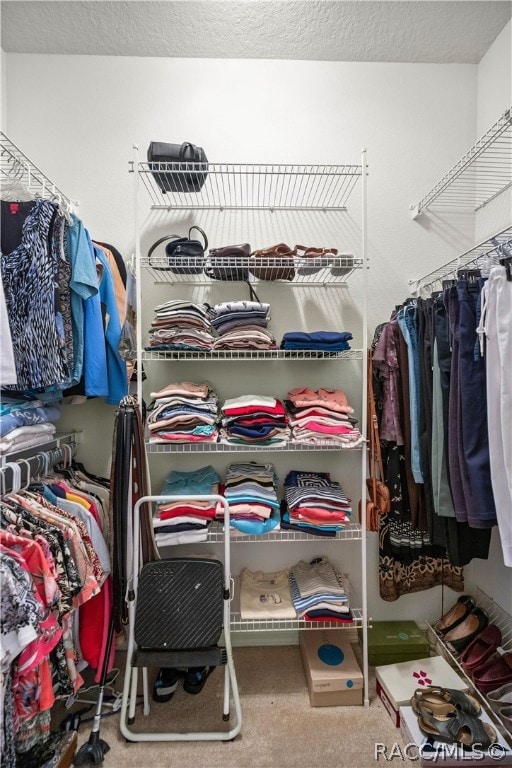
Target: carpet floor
280, 729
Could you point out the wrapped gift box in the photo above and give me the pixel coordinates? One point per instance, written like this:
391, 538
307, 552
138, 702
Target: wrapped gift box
393, 641
396, 683
332, 673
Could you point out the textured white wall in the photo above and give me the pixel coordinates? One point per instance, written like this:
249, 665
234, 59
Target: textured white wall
495, 80
3, 87
415, 120
494, 97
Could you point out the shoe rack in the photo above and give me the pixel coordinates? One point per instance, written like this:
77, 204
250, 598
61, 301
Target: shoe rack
503, 620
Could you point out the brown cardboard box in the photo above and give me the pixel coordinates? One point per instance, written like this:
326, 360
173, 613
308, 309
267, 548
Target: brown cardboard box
332, 672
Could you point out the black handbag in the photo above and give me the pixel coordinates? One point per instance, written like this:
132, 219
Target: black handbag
190, 171
184, 255
229, 262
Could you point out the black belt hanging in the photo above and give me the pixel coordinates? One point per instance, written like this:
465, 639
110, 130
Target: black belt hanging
128, 473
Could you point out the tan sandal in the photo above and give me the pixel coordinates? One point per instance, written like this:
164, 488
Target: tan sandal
441, 702
307, 256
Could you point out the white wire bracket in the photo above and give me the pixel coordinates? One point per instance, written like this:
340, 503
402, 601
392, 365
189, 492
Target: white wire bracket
483, 173
16, 166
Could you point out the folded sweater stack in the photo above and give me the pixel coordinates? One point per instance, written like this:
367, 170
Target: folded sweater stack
180, 325
314, 504
183, 413
250, 490
318, 592
322, 417
186, 522
254, 419
325, 341
241, 325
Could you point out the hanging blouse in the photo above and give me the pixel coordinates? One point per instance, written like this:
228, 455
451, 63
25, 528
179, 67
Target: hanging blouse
30, 285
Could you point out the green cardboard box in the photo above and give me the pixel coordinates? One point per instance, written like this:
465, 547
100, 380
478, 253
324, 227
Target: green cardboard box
393, 641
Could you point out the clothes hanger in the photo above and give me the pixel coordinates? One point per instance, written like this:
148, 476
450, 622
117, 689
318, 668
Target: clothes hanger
24, 486
16, 478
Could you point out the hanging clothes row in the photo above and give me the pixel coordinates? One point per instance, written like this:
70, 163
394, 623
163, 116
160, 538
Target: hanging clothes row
55, 563
442, 369
63, 305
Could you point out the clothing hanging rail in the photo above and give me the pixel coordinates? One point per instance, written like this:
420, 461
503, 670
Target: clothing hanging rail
20, 472
16, 166
484, 172
471, 257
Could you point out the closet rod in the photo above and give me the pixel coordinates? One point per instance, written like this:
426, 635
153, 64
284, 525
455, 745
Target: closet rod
15, 166
449, 269
35, 465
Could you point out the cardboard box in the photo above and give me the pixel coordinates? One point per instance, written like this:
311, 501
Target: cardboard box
425, 751
396, 683
394, 641
332, 673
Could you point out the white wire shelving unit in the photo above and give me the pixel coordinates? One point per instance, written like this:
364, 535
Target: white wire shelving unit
238, 624
251, 186
206, 447
503, 620
483, 173
15, 166
263, 624
481, 255
319, 194
351, 532
251, 354
322, 270
19, 467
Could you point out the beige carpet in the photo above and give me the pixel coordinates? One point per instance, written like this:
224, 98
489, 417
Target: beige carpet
280, 729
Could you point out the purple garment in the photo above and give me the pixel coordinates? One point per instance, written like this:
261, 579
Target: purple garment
385, 359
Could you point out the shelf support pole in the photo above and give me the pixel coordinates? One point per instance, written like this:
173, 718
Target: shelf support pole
364, 243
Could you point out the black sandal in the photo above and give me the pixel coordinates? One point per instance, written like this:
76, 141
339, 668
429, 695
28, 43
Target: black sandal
459, 728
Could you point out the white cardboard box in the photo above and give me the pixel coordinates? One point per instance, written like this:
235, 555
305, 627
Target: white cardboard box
332, 673
396, 683
428, 752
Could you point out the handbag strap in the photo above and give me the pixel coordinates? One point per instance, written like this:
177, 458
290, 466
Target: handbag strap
156, 244
183, 152
205, 247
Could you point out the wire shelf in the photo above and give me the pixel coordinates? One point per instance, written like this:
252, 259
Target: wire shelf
16, 166
55, 441
252, 354
498, 616
352, 532
481, 175
473, 256
237, 624
309, 272
247, 448
230, 186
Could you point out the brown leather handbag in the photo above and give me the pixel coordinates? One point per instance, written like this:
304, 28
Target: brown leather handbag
274, 263
379, 502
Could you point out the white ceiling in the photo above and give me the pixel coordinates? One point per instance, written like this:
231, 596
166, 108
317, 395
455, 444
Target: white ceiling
331, 30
